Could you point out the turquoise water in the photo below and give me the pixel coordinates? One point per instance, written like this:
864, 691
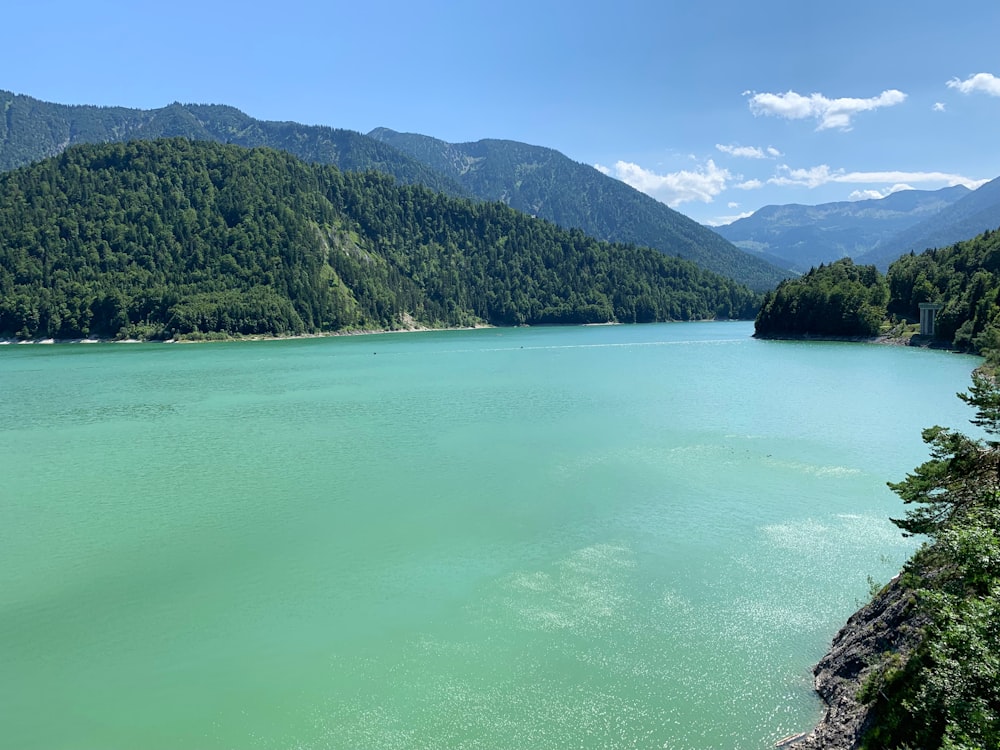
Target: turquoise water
597, 537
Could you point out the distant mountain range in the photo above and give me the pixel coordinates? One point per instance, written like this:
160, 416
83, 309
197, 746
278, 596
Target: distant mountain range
535, 180
971, 215
873, 232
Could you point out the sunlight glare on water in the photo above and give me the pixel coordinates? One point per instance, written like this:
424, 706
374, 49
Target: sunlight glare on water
598, 537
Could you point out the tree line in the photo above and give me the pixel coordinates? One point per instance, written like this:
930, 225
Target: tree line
843, 299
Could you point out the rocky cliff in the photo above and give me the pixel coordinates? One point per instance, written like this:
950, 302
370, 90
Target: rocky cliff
887, 624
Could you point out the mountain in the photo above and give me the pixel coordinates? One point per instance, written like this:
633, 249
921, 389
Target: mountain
964, 219
31, 130
538, 181
181, 238
545, 183
805, 236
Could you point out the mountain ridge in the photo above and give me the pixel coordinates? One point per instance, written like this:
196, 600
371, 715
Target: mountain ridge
528, 178
804, 236
31, 129
974, 213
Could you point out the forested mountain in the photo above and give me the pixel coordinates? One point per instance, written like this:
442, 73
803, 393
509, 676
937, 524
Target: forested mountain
539, 181
965, 218
844, 299
542, 182
166, 238
31, 130
805, 236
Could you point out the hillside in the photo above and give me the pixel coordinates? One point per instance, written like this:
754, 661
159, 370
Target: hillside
841, 299
31, 130
538, 181
802, 237
168, 238
544, 183
919, 666
965, 218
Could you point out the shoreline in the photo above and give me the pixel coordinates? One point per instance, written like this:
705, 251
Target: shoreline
408, 328
234, 339
916, 340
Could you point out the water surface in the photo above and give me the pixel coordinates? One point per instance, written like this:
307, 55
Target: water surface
597, 537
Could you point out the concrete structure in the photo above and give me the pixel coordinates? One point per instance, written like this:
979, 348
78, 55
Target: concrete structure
928, 314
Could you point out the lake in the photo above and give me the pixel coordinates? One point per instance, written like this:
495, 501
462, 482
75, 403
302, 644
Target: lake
593, 537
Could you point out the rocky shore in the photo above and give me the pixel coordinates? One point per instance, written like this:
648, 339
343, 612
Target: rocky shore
886, 624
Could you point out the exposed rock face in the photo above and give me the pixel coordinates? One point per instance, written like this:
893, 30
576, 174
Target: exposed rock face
889, 623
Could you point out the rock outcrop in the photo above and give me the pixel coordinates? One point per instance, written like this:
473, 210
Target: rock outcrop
888, 624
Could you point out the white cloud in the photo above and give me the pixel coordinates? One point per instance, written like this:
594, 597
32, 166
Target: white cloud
860, 195
984, 82
831, 113
938, 107
747, 152
750, 185
719, 221
732, 204
864, 195
701, 184
812, 177
822, 174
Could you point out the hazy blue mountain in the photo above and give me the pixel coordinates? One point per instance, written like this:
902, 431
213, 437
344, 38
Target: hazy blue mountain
975, 213
31, 130
545, 183
802, 237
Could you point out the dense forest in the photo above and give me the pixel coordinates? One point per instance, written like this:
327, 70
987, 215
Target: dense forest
545, 183
842, 299
539, 181
176, 238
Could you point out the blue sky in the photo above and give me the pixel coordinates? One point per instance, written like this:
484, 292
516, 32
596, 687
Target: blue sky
715, 108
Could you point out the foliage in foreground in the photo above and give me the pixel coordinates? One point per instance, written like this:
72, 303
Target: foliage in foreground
179, 238
946, 693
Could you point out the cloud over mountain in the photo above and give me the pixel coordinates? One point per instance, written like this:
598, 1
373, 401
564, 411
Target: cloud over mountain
674, 188
822, 174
